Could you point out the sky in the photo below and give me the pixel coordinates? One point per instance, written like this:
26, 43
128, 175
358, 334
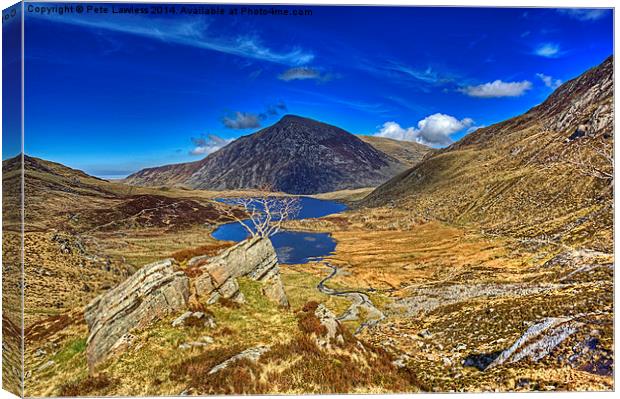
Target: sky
113, 93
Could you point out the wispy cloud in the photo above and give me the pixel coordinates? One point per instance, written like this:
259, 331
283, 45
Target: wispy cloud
434, 130
549, 81
548, 50
248, 120
423, 79
305, 73
585, 14
497, 88
427, 75
194, 33
205, 145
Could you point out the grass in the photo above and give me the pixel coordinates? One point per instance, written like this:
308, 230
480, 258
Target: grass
298, 365
186, 254
68, 352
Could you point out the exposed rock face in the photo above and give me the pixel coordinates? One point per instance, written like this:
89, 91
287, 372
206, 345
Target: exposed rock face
152, 292
538, 341
255, 258
332, 326
296, 155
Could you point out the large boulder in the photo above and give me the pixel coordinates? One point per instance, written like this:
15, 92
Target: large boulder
152, 292
254, 258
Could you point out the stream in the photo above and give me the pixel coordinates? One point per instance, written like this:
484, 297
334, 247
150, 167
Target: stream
359, 301
300, 247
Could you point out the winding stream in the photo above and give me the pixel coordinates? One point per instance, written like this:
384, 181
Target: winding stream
359, 301
300, 247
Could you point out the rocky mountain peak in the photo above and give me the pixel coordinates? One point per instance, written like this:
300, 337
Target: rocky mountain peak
296, 155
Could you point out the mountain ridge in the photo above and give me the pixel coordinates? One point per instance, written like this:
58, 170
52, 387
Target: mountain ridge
296, 155
523, 175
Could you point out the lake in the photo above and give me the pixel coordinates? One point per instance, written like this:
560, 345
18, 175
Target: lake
293, 247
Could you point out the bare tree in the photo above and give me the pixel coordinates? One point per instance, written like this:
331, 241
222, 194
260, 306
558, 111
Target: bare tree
595, 160
264, 214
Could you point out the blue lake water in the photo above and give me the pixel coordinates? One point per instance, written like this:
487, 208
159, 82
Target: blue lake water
293, 247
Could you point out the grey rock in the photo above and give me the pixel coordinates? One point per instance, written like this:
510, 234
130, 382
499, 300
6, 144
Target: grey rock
254, 258
331, 324
425, 334
179, 321
152, 292
252, 354
182, 320
538, 341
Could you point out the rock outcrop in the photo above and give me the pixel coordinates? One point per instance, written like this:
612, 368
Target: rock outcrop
255, 258
333, 329
252, 354
152, 292
538, 341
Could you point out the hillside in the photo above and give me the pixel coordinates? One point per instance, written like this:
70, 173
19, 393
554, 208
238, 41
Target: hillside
84, 234
296, 155
407, 152
544, 174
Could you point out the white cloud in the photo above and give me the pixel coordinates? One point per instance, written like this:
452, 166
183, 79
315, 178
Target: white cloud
585, 14
303, 73
548, 50
207, 145
549, 81
497, 88
434, 130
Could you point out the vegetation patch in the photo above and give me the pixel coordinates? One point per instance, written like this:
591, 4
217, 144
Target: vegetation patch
87, 386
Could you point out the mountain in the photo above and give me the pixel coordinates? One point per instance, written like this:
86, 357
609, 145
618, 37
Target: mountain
407, 152
545, 174
296, 155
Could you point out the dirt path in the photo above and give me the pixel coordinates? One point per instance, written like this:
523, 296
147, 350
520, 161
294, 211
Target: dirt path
359, 301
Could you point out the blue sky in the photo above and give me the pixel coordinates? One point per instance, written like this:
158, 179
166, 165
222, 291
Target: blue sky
114, 93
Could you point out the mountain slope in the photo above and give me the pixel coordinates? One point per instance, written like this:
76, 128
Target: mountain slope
296, 155
541, 174
407, 152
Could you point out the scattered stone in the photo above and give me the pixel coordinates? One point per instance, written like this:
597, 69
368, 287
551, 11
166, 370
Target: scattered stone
252, 354
152, 292
425, 334
192, 344
179, 321
46, 365
401, 361
187, 317
188, 391
207, 339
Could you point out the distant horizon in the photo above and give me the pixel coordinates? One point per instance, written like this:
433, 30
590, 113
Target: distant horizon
114, 94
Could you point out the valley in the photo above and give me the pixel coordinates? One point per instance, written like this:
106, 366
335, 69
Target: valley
487, 265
